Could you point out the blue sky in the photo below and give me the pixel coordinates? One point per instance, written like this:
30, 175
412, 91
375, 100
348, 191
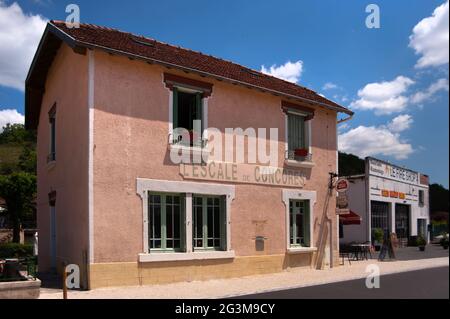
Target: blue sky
402, 106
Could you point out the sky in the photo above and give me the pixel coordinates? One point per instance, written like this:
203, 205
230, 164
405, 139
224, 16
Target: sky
394, 77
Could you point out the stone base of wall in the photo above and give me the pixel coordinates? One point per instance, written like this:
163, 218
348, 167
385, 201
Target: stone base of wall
141, 274
20, 289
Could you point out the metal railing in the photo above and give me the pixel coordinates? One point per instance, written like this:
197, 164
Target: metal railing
291, 155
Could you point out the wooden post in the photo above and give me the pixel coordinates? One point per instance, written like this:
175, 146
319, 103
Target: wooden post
64, 278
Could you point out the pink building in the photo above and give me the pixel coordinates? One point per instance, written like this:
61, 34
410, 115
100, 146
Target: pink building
107, 105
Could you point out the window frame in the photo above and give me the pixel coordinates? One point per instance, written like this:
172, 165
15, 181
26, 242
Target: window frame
52, 134
146, 186
306, 216
205, 231
421, 198
163, 221
311, 197
308, 118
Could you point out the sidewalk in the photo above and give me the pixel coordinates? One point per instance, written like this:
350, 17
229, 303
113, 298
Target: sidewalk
293, 278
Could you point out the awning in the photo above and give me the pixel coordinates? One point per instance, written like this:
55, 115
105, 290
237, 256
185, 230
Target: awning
350, 219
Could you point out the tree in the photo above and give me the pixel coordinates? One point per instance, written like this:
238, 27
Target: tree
16, 134
19, 191
439, 201
350, 164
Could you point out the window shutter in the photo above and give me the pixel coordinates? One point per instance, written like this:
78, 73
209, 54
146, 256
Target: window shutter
199, 109
223, 224
183, 224
175, 108
296, 132
307, 224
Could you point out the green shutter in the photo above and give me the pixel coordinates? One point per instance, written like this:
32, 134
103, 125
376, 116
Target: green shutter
183, 223
175, 108
296, 132
306, 224
223, 224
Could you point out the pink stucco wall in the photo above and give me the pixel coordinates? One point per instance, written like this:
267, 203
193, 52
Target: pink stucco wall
66, 86
131, 141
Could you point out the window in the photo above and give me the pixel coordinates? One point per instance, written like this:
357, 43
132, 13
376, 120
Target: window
297, 128
421, 198
299, 222
166, 222
52, 121
187, 108
208, 223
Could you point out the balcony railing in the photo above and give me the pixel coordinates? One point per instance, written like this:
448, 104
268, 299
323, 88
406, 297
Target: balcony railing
294, 156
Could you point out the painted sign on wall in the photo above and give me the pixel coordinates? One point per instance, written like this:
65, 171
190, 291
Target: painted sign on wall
383, 169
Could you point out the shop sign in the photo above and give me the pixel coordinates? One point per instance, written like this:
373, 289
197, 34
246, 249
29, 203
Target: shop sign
342, 185
244, 174
385, 170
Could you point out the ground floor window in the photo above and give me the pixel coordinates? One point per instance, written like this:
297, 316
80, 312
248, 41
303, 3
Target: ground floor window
208, 222
380, 217
167, 219
167, 216
299, 221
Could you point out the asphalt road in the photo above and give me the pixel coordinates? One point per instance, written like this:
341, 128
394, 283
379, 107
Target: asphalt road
423, 284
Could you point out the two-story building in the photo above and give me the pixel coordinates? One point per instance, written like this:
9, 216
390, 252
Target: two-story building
108, 106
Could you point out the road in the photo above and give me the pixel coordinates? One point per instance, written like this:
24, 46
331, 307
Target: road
423, 284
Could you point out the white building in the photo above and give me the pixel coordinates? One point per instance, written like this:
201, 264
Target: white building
389, 197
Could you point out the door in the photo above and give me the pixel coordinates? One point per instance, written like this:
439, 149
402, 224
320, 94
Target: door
380, 217
422, 228
53, 237
402, 221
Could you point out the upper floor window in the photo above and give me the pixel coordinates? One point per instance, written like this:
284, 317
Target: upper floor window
188, 109
187, 115
421, 197
298, 128
52, 148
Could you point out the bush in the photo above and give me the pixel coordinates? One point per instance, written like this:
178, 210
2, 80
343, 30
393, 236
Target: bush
421, 241
378, 235
15, 251
444, 240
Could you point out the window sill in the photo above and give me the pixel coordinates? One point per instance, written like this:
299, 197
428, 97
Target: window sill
51, 165
193, 150
301, 250
155, 257
294, 163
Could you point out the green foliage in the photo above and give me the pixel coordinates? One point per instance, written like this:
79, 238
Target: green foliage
19, 191
17, 150
378, 234
351, 165
421, 241
12, 250
16, 134
439, 198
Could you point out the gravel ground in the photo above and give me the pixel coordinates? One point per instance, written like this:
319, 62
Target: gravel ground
294, 278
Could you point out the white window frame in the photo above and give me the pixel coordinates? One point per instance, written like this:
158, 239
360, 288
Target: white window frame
308, 139
205, 115
146, 186
311, 196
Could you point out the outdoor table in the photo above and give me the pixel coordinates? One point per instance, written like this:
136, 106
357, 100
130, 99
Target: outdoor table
361, 251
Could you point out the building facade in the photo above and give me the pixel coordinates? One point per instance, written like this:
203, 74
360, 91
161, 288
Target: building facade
390, 198
107, 106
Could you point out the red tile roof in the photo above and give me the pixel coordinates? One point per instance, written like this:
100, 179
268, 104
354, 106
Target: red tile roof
126, 43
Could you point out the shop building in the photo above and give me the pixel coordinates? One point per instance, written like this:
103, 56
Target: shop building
387, 197
107, 104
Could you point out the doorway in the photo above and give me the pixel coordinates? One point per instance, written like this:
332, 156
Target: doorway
402, 218
53, 238
380, 217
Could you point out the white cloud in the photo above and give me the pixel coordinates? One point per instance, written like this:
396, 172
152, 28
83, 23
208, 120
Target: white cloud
422, 96
401, 123
290, 71
329, 86
11, 117
384, 97
430, 38
377, 140
19, 37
